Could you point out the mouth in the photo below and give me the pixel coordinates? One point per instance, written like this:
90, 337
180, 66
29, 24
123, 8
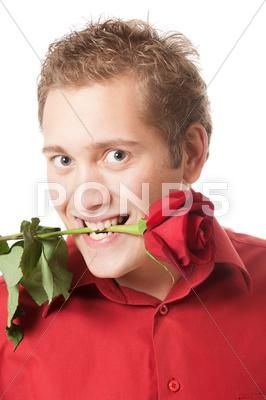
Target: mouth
122, 220
100, 237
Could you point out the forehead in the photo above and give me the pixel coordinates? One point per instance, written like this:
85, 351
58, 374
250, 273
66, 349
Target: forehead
110, 100
99, 112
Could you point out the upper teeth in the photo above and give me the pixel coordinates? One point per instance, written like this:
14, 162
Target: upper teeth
106, 224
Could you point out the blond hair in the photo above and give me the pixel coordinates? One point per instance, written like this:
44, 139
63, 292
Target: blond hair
173, 93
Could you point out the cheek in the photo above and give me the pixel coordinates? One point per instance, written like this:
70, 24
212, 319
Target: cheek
57, 192
146, 179
145, 175
53, 185
60, 188
57, 196
140, 186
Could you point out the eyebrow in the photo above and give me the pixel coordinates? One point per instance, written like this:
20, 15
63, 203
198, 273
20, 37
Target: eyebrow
94, 145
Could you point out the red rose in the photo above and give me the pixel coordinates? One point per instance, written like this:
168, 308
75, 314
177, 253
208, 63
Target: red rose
180, 227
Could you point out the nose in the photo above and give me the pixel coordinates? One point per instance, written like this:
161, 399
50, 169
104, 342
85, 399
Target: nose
91, 198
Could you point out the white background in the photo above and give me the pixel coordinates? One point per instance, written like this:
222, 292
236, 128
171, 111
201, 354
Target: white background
233, 62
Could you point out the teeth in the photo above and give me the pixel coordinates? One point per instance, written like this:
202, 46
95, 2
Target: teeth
101, 225
91, 225
114, 221
99, 236
107, 223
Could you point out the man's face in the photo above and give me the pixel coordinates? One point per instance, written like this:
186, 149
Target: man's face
76, 119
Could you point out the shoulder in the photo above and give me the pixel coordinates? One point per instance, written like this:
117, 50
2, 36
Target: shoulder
250, 246
245, 239
252, 251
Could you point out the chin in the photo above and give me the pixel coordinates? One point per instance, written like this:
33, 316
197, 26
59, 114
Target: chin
108, 271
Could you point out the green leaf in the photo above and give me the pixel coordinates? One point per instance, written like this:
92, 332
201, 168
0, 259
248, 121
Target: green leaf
55, 258
62, 280
34, 286
32, 246
46, 229
40, 265
15, 334
51, 277
9, 264
4, 248
33, 224
47, 277
12, 304
56, 250
19, 312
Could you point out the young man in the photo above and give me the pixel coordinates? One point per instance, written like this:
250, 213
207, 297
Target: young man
121, 106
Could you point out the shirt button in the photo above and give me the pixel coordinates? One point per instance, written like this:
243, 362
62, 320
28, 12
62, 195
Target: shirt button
173, 385
163, 309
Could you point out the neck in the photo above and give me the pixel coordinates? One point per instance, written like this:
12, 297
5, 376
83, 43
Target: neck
152, 279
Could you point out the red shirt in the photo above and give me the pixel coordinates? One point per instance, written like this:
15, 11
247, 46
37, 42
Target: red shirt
206, 340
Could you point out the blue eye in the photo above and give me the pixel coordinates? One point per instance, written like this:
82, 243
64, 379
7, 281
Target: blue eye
118, 153
63, 158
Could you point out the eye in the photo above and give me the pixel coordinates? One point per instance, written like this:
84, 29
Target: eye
60, 157
118, 154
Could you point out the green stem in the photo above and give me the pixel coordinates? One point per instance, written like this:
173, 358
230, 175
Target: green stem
162, 265
133, 229
14, 236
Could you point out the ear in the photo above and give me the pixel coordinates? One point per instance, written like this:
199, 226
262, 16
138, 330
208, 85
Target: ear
195, 149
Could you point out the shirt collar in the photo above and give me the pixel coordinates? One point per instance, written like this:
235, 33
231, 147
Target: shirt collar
193, 275
224, 253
